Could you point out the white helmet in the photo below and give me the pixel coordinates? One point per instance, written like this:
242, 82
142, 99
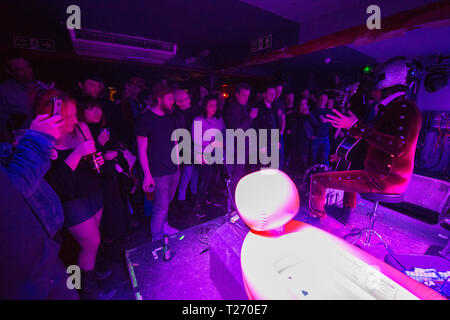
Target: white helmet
394, 72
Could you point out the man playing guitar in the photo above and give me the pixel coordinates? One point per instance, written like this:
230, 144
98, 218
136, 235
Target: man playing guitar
389, 163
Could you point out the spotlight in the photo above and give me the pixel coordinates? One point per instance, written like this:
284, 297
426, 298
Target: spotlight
435, 81
328, 60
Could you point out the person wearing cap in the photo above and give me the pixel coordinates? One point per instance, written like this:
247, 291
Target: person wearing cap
154, 130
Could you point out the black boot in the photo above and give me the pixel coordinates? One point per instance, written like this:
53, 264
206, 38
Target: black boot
90, 290
89, 286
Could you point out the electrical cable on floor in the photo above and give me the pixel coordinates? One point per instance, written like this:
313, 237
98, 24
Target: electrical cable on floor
202, 232
237, 225
391, 253
443, 284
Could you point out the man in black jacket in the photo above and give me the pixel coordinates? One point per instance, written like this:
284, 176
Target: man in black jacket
268, 120
237, 116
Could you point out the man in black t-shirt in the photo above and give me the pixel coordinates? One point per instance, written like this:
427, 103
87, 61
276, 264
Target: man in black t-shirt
154, 130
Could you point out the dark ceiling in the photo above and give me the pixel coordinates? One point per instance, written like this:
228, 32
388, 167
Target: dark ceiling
341, 59
226, 28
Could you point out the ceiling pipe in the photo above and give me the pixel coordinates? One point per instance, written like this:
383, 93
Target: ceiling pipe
432, 15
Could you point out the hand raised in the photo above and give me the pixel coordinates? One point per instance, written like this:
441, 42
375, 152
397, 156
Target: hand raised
341, 120
334, 158
48, 125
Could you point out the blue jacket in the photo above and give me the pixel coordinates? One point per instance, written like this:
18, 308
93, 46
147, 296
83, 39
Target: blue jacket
26, 168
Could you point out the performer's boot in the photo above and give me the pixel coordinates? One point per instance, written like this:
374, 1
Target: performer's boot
316, 212
349, 200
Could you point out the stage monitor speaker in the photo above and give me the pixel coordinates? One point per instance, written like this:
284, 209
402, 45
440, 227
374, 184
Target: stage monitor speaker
430, 195
225, 260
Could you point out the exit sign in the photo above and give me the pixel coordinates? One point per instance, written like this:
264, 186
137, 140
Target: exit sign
261, 43
23, 42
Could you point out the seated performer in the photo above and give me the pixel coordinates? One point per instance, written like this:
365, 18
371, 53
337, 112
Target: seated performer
389, 162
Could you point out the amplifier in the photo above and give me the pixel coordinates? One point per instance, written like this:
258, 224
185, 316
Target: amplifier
428, 193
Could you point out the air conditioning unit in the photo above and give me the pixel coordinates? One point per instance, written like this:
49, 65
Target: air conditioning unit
121, 47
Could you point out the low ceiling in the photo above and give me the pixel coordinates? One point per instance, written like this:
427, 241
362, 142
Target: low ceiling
301, 10
312, 15
420, 42
424, 42
225, 27
341, 59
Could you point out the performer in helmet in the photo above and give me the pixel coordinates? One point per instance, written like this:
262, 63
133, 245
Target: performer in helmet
392, 139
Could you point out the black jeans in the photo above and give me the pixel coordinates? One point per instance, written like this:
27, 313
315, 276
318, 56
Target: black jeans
116, 213
207, 176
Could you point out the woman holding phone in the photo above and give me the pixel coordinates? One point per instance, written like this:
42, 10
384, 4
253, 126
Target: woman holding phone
75, 180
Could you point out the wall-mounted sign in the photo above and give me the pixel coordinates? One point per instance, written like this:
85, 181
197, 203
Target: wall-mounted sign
261, 43
22, 42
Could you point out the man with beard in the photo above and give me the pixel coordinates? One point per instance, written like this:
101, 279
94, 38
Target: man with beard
154, 130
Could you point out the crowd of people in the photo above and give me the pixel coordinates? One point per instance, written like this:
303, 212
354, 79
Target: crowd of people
93, 165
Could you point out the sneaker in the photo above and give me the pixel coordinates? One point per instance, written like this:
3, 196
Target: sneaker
170, 231
106, 294
200, 214
197, 204
214, 203
90, 289
101, 275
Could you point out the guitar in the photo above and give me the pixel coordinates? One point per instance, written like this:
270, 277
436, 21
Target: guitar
350, 146
345, 151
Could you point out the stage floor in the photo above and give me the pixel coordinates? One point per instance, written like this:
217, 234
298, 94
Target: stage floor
187, 275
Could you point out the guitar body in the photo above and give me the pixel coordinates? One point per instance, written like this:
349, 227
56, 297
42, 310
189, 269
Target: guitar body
342, 165
346, 151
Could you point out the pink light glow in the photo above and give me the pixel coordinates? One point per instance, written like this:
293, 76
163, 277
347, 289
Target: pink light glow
307, 263
267, 199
